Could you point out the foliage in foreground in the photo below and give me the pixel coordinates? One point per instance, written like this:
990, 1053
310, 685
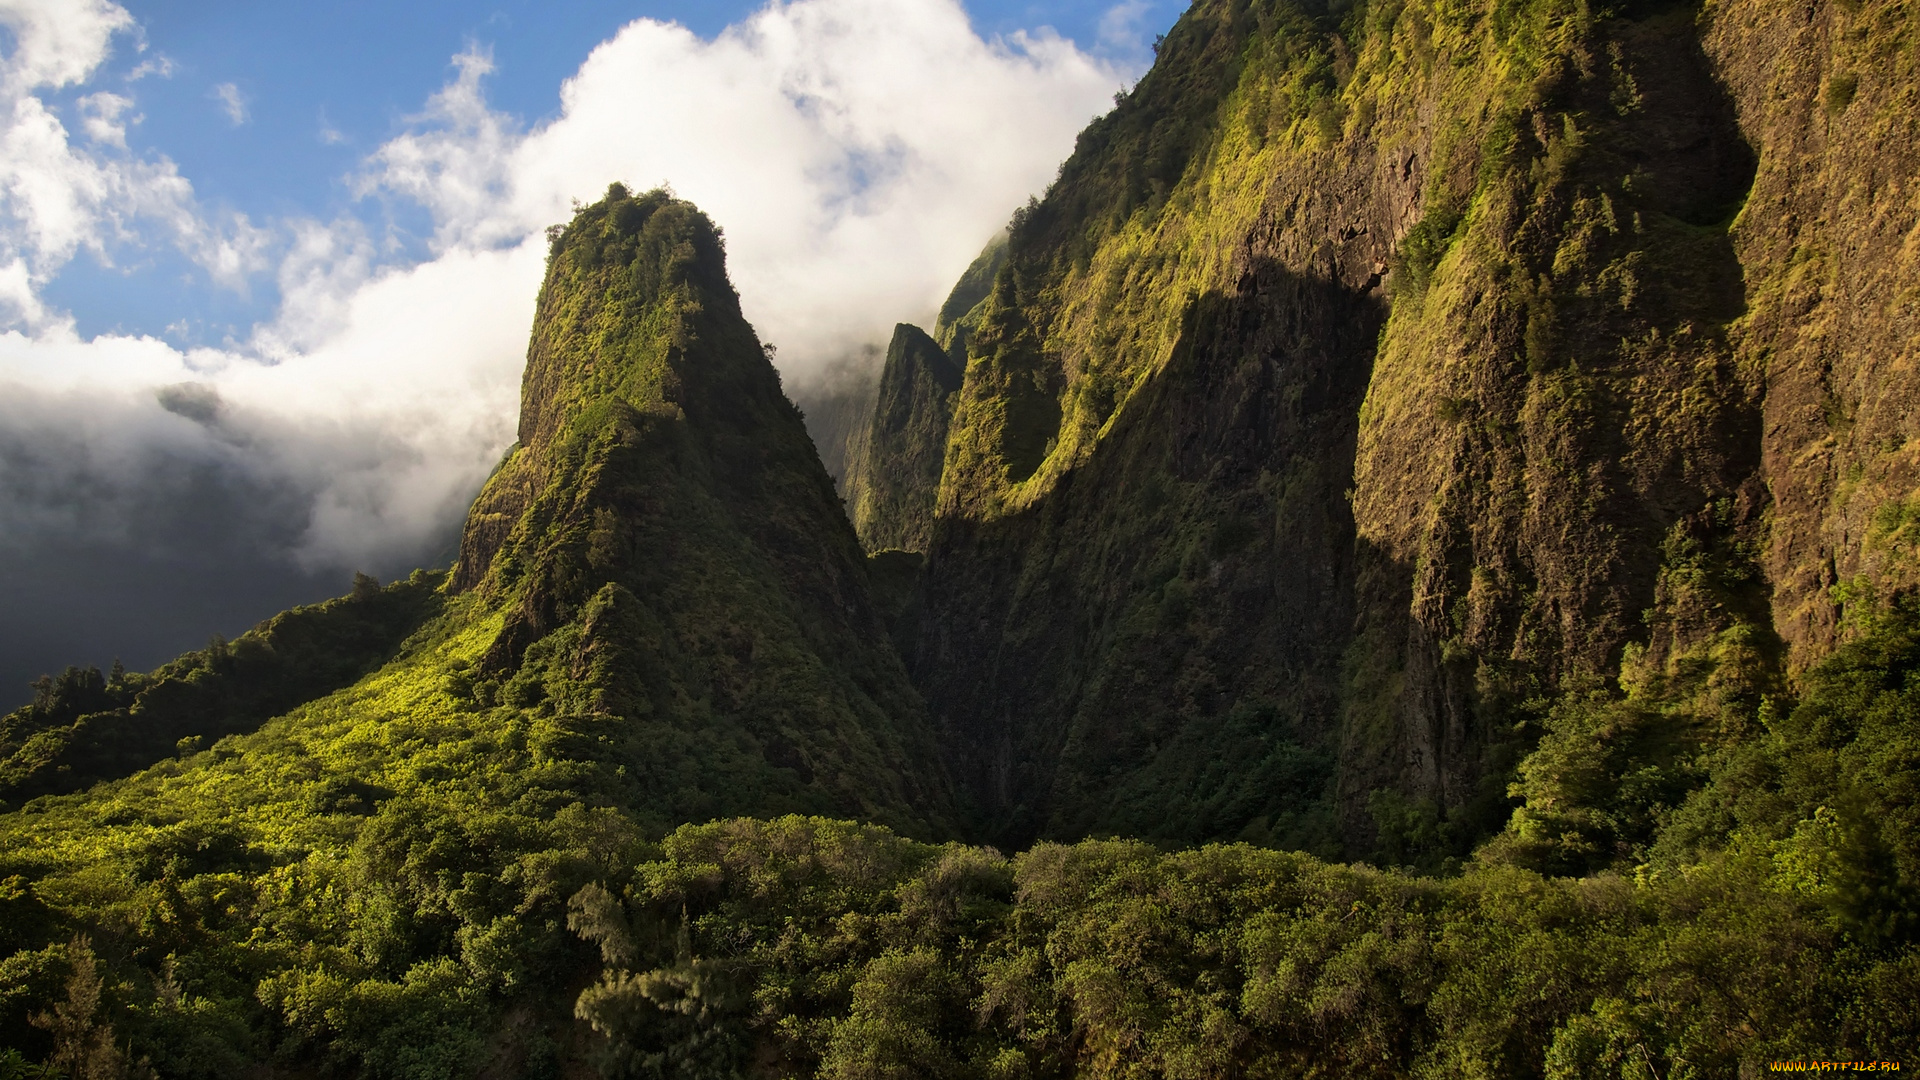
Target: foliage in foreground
437, 920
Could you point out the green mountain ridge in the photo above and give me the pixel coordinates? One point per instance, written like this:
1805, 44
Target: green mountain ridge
1469, 436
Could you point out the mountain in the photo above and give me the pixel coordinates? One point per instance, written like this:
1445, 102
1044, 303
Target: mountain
659, 615
890, 494
666, 554
657, 577
1462, 436
1370, 377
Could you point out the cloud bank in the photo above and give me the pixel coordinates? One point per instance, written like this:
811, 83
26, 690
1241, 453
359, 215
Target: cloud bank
856, 152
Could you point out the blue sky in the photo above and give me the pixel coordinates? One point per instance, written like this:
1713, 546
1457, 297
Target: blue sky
267, 269
269, 109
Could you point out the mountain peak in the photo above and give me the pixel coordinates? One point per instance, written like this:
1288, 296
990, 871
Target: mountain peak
664, 549
636, 314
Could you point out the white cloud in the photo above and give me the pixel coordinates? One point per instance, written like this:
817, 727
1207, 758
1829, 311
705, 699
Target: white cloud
156, 65
381, 432
857, 153
57, 42
57, 198
100, 117
18, 294
232, 102
457, 163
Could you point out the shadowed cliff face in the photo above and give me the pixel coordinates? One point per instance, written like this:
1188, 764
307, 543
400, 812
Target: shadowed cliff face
1554, 414
838, 404
1373, 376
895, 449
1134, 675
890, 494
1367, 379
1430, 431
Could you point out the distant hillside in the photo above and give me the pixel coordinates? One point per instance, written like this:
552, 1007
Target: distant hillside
837, 403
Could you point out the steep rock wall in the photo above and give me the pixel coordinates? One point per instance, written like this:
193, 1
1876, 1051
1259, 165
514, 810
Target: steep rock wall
1141, 580
1555, 412
1830, 245
1372, 376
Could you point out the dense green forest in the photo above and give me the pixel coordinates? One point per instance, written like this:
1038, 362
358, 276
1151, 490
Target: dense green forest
1412, 569
274, 899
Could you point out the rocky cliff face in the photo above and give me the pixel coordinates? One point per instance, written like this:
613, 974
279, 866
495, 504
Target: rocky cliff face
1439, 432
896, 449
1374, 378
1376, 373
1829, 94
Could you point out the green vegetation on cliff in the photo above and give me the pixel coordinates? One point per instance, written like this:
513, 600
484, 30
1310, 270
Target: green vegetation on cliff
896, 452
83, 727
659, 615
1372, 377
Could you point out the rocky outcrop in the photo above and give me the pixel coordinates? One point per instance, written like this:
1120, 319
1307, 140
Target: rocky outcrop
1829, 94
